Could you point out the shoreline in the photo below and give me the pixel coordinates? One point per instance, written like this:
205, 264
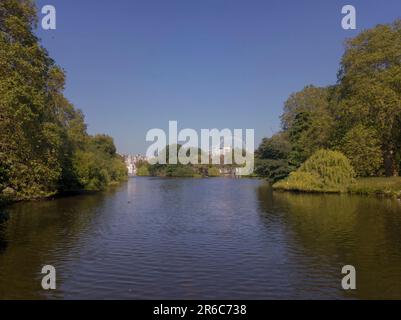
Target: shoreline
379, 187
353, 190
382, 195
5, 202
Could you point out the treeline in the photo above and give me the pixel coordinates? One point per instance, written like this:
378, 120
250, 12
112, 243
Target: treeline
189, 170
360, 116
44, 145
180, 171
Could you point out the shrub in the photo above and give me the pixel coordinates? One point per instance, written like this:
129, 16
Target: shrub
273, 170
213, 172
324, 171
89, 172
301, 181
272, 158
179, 171
96, 170
143, 171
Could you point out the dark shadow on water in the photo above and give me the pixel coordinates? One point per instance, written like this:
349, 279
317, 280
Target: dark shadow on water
34, 234
4, 217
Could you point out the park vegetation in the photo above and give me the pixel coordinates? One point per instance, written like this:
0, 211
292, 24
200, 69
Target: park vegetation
324, 171
44, 146
179, 170
358, 118
193, 169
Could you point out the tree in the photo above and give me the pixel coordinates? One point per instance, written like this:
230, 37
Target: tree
298, 133
273, 170
276, 147
309, 99
308, 121
272, 158
213, 172
143, 171
362, 148
44, 146
307, 124
370, 87
324, 171
30, 137
104, 144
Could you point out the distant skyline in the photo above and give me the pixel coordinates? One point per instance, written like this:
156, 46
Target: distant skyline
134, 65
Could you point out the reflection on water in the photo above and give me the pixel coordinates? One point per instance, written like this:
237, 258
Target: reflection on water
3, 219
187, 238
338, 230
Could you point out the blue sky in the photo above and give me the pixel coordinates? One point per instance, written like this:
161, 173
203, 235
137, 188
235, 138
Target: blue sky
134, 65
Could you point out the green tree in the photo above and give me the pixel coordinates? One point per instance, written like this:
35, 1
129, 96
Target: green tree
213, 172
273, 170
43, 138
362, 147
178, 169
324, 171
143, 171
308, 121
277, 147
30, 136
370, 87
104, 144
272, 158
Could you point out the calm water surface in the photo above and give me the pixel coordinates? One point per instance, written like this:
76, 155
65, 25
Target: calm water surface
201, 239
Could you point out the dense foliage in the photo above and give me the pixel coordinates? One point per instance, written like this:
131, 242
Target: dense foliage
213, 172
370, 88
44, 146
143, 169
273, 158
362, 147
185, 170
359, 116
325, 170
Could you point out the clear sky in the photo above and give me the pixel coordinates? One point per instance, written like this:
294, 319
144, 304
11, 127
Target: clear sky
134, 65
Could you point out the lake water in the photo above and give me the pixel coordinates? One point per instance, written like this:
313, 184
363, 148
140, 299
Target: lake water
154, 238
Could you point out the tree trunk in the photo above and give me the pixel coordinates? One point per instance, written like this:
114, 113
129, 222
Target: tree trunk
390, 165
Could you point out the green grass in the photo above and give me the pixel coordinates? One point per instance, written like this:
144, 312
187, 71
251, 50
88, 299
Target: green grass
389, 187
377, 186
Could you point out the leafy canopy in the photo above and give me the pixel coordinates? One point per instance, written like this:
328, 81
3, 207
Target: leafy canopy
324, 171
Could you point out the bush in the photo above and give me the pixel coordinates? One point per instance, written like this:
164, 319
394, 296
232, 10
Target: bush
143, 171
179, 171
97, 170
213, 172
324, 171
89, 172
272, 158
117, 169
273, 170
301, 181
333, 167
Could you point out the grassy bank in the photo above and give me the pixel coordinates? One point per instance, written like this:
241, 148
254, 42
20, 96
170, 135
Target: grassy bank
376, 186
388, 187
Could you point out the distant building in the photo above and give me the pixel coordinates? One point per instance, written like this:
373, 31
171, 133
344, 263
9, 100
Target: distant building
132, 161
220, 151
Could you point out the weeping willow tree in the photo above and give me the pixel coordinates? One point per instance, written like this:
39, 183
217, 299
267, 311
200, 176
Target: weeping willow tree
324, 171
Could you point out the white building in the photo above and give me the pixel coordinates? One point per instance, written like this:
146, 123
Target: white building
131, 163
